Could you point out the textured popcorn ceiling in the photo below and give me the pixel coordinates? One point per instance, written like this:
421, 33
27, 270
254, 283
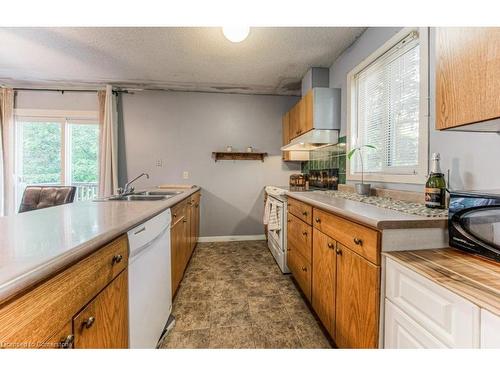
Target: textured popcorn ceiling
269, 61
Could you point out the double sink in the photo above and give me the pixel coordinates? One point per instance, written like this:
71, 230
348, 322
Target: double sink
154, 195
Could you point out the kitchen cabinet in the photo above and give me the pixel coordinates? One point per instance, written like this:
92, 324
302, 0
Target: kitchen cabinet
336, 263
490, 330
324, 279
103, 323
357, 302
301, 270
299, 236
467, 71
285, 123
441, 317
183, 236
43, 315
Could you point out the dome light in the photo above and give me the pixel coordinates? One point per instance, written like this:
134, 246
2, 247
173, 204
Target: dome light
236, 34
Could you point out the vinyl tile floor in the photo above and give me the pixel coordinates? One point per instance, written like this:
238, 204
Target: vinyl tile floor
233, 295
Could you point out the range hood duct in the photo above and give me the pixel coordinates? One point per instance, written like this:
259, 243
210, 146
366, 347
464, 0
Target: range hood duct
313, 140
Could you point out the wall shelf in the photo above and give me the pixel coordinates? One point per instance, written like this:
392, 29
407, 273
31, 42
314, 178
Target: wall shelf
222, 155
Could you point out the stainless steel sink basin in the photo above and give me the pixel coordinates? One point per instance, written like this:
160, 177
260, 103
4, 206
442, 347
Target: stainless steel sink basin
136, 197
159, 193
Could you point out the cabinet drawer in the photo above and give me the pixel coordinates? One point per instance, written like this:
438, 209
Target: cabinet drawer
179, 211
299, 236
301, 271
301, 210
450, 318
402, 332
38, 314
360, 239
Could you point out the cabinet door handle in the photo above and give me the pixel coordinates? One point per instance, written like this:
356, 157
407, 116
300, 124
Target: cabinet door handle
338, 251
67, 342
358, 241
289, 220
318, 220
304, 213
88, 322
304, 233
330, 245
304, 269
184, 221
116, 259
288, 249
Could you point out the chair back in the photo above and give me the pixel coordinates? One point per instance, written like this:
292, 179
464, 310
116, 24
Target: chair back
37, 197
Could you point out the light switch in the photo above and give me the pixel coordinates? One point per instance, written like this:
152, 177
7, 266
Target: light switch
159, 163
185, 175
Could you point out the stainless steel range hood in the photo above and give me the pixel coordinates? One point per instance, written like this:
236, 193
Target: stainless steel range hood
313, 140
323, 113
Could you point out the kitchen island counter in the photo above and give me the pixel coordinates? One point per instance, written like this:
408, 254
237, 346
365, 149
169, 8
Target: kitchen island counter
37, 244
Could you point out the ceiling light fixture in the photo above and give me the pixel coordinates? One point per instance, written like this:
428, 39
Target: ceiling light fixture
236, 34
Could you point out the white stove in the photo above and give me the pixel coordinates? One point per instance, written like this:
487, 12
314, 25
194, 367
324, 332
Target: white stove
276, 239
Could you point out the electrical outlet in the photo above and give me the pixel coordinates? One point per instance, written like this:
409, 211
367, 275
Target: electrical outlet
185, 175
159, 163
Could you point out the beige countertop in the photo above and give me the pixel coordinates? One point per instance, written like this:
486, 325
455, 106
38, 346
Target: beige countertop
34, 245
470, 276
367, 214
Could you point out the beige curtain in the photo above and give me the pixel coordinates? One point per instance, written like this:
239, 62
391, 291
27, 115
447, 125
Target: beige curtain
6, 151
108, 163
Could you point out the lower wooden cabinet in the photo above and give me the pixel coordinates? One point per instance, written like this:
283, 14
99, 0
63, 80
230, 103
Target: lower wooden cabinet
324, 279
301, 270
103, 323
50, 314
184, 236
342, 283
358, 299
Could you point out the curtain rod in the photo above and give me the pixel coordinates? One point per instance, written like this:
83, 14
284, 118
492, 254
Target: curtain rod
68, 90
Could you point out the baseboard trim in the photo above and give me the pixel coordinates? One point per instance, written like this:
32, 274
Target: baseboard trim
253, 237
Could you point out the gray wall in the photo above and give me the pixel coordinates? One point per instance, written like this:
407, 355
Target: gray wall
471, 157
183, 129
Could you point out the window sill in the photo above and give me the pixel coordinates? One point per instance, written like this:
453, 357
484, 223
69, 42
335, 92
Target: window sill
394, 178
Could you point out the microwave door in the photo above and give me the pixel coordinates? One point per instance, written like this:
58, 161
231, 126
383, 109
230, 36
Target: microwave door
483, 225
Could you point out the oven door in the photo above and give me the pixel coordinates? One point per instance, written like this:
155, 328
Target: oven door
478, 229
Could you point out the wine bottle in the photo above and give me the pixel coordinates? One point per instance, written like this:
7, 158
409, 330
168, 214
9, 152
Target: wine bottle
435, 187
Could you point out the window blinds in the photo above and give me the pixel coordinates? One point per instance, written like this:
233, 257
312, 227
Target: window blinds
387, 97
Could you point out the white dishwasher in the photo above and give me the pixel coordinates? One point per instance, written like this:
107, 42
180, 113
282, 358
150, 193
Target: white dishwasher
149, 281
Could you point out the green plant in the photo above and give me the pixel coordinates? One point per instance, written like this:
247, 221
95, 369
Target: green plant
360, 151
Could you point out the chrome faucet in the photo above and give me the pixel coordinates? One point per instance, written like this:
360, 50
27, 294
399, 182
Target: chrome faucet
127, 189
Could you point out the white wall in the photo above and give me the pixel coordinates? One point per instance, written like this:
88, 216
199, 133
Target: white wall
183, 129
471, 157
71, 101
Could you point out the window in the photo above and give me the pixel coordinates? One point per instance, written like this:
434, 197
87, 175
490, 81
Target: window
58, 150
388, 109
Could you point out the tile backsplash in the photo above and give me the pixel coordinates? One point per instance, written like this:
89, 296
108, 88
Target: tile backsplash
327, 158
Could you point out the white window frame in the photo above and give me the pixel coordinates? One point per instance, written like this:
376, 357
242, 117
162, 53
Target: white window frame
64, 118
420, 174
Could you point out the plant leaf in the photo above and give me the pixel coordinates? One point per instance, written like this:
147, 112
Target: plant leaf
370, 146
349, 155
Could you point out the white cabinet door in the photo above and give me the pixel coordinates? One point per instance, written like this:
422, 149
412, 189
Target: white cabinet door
490, 330
450, 318
402, 332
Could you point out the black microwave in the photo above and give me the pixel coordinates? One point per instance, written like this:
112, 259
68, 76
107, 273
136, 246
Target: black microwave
474, 222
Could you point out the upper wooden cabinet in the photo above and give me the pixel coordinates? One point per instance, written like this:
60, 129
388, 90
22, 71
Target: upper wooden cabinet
467, 84
285, 123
